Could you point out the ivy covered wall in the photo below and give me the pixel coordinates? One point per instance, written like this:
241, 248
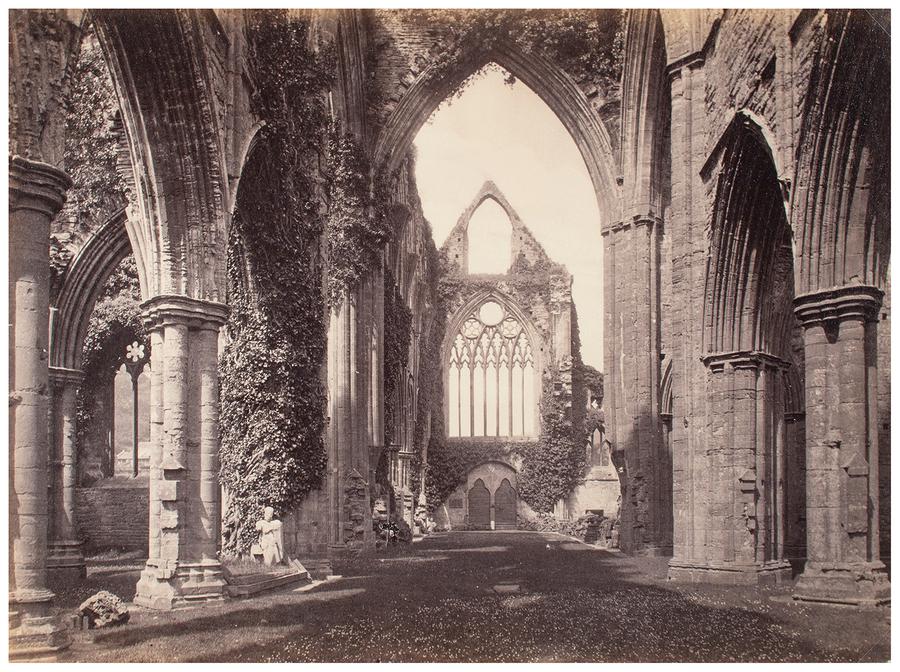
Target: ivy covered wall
313, 225
272, 390
411, 272
92, 152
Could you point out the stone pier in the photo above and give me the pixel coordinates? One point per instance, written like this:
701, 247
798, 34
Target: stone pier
744, 518
65, 560
36, 193
183, 567
843, 556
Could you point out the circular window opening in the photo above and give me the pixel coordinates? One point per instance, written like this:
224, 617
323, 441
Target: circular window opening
490, 313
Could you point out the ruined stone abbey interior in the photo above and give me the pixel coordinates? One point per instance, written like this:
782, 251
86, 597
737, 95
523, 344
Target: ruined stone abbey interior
225, 294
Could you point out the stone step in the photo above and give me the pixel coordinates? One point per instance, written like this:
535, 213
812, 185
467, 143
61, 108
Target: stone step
245, 586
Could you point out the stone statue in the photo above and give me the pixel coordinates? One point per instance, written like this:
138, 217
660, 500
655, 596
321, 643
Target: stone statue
270, 542
421, 519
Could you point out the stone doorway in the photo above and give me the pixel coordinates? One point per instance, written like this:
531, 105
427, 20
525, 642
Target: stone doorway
479, 506
505, 507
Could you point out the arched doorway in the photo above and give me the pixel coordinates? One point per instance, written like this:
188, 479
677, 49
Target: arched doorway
505, 506
479, 506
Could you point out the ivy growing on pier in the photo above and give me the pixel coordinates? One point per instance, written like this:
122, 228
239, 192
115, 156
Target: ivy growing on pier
273, 397
397, 339
308, 228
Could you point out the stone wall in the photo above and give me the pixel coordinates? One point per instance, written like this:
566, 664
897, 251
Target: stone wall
114, 514
453, 513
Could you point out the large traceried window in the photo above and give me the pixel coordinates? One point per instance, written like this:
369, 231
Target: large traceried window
491, 376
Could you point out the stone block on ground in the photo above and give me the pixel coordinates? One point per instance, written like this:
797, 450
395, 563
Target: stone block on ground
104, 610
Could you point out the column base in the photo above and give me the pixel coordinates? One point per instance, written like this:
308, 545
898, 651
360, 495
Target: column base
776, 572
169, 584
863, 584
35, 632
65, 561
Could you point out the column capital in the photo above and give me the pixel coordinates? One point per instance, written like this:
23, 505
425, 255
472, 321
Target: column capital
34, 185
693, 60
635, 220
62, 377
854, 302
169, 309
743, 359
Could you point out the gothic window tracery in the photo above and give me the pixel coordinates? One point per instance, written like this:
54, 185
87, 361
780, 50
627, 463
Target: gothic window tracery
491, 375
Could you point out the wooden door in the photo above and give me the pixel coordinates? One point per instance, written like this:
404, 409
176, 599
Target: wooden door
479, 506
505, 506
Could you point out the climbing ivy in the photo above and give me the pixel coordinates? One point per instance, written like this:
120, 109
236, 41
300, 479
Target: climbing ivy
429, 414
593, 381
587, 44
397, 339
273, 398
93, 136
310, 224
552, 467
357, 228
60, 257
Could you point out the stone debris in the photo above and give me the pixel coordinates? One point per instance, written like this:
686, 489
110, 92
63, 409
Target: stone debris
103, 610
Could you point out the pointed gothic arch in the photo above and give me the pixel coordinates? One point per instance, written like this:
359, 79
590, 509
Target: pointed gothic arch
522, 240
159, 66
84, 280
841, 200
558, 91
749, 282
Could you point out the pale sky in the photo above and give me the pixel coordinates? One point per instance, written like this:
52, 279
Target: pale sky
509, 135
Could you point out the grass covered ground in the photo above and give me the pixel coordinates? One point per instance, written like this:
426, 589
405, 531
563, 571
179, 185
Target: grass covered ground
497, 596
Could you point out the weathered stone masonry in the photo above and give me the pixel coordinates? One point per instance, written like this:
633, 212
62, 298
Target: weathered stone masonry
710, 101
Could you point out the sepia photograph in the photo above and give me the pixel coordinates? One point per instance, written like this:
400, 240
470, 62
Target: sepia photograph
444, 335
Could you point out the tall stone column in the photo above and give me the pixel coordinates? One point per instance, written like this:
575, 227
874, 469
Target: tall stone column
743, 475
689, 250
66, 560
36, 193
185, 508
632, 300
339, 426
843, 557
632, 366
349, 451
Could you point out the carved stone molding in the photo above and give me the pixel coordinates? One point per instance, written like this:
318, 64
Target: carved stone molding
860, 302
172, 309
743, 359
61, 377
34, 185
634, 221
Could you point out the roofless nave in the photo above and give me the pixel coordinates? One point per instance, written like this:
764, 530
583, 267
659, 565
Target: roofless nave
740, 162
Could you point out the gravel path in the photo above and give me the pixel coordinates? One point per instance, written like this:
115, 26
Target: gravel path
504, 597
